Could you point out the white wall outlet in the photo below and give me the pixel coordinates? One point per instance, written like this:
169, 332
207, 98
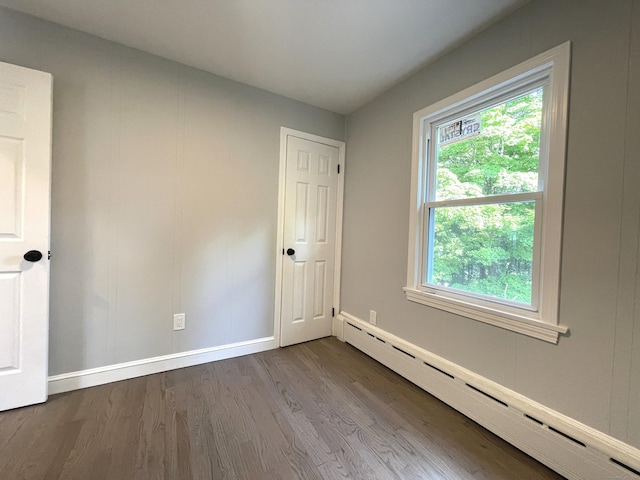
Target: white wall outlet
179, 321
373, 317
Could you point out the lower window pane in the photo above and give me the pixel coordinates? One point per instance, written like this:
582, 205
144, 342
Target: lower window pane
484, 249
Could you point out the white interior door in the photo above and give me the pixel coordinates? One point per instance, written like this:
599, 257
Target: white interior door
25, 163
309, 240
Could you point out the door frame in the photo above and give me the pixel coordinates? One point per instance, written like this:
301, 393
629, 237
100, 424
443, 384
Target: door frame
341, 146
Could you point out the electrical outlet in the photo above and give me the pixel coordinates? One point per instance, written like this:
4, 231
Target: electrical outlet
373, 317
179, 320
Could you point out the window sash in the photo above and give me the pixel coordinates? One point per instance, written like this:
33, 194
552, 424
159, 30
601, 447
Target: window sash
486, 200
427, 253
432, 123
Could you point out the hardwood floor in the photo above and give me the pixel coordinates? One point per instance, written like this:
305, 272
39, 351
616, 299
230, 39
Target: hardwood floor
319, 410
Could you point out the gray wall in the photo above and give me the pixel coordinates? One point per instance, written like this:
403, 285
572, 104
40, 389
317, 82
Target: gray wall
592, 375
164, 185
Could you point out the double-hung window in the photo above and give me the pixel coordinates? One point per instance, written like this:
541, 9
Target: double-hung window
487, 195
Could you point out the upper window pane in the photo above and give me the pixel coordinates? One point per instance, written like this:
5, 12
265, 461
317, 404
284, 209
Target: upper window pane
492, 152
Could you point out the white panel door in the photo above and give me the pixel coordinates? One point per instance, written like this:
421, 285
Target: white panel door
25, 163
311, 187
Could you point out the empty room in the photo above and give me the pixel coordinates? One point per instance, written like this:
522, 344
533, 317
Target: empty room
304, 239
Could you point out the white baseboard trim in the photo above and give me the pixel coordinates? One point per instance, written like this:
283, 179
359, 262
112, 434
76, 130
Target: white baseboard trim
569, 447
138, 368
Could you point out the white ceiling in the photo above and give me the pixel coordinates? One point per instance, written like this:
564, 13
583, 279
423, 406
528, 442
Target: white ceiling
335, 54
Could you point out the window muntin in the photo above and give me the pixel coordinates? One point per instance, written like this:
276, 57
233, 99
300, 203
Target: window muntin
528, 195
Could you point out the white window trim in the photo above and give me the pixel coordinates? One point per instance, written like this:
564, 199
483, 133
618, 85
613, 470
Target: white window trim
543, 323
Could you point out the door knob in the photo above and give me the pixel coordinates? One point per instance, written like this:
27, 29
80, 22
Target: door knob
33, 256
291, 251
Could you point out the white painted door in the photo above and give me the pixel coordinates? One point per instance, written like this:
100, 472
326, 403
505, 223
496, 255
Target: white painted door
309, 246
25, 163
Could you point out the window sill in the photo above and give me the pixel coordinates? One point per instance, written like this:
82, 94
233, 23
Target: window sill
525, 326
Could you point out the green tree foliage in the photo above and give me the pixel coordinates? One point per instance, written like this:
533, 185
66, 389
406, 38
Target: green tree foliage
488, 249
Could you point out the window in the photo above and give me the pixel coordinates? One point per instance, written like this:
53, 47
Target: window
487, 191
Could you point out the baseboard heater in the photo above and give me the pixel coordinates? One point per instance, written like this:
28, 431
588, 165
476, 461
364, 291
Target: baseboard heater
572, 449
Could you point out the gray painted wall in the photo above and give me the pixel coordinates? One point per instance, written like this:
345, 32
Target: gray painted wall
592, 375
165, 186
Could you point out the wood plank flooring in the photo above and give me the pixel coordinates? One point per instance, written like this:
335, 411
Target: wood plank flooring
319, 410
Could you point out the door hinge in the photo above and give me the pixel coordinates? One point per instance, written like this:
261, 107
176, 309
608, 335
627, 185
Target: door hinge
338, 168
283, 251
333, 312
49, 255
